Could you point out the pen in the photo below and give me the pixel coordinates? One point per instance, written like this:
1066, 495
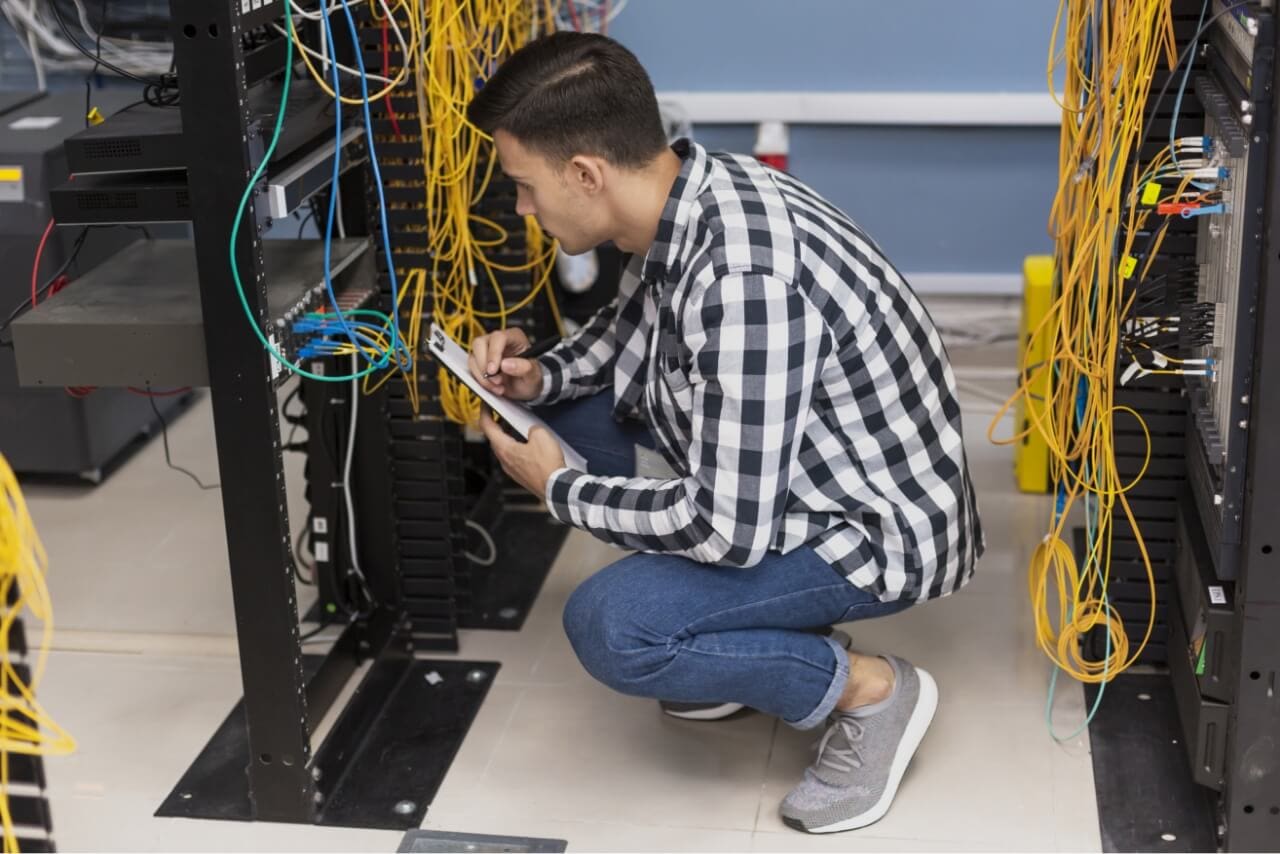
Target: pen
533, 351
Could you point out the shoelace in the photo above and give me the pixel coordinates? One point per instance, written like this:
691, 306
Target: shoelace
842, 759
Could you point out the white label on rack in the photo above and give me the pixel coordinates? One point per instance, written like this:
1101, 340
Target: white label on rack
320, 525
1217, 595
321, 550
275, 363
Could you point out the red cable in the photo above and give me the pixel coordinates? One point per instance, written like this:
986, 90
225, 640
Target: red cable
573, 16
386, 72
170, 393
82, 391
35, 268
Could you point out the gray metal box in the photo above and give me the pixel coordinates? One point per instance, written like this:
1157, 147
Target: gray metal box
44, 431
137, 320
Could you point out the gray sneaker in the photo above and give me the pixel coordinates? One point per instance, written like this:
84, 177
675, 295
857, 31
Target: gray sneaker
862, 758
720, 711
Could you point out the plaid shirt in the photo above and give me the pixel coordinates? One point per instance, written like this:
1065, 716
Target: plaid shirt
792, 380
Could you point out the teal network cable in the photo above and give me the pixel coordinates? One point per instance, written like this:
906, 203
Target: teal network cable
236, 223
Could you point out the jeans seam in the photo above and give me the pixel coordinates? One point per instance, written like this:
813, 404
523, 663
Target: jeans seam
688, 629
848, 617
681, 647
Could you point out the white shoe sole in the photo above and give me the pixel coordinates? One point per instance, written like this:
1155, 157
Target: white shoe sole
711, 713
926, 705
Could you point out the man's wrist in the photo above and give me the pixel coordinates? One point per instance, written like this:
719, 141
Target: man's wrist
550, 481
543, 389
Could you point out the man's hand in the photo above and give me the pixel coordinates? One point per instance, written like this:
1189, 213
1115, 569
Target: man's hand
530, 463
493, 361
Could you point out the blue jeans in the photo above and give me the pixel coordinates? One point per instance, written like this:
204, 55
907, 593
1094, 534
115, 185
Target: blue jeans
663, 626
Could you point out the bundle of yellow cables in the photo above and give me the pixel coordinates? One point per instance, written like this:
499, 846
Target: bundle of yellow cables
450, 46
25, 727
1094, 222
467, 42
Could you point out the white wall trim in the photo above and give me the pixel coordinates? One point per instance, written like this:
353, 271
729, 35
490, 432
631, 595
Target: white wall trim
964, 284
973, 109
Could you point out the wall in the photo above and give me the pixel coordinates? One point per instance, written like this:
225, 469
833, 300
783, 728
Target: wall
955, 207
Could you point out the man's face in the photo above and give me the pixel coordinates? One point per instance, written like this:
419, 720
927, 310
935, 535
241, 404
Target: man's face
552, 194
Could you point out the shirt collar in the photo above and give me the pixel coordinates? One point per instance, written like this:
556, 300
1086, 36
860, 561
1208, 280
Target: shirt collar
661, 262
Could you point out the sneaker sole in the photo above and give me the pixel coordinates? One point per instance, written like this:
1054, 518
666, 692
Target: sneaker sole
710, 713
926, 705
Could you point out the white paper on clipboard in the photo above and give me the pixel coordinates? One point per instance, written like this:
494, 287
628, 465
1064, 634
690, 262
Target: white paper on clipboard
519, 416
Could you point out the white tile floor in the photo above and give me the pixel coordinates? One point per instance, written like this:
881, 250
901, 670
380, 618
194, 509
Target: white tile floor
145, 669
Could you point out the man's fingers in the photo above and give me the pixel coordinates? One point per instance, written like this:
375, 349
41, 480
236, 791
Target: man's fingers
481, 352
473, 363
487, 358
514, 341
498, 439
497, 348
517, 367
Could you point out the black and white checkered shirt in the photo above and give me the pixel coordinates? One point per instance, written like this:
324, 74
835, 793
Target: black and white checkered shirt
793, 381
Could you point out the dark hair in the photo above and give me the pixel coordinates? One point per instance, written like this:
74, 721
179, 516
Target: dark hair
574, 93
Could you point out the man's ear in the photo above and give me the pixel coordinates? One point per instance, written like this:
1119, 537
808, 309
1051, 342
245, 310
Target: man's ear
586, 173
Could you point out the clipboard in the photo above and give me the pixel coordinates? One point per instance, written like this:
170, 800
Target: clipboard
516, 414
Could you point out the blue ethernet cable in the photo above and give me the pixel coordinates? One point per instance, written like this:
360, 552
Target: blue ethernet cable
333, 198
377, 173
238, 220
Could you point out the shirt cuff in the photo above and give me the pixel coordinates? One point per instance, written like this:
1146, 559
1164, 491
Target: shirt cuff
551, 379
560, 485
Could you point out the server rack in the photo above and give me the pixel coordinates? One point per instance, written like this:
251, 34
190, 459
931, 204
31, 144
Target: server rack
1226, 674
1221, 579
261, 764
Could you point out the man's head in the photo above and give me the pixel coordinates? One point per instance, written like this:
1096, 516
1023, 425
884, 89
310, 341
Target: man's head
575, 120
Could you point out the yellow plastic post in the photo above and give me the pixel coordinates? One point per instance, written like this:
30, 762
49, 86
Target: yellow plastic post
1031, 455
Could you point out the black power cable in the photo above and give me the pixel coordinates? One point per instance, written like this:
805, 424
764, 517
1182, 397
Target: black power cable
25, 305
159, 92
76, 246
168, 460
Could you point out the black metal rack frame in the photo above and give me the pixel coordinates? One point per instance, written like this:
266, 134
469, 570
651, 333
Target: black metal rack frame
1251, 799
389, 746
1224, 623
